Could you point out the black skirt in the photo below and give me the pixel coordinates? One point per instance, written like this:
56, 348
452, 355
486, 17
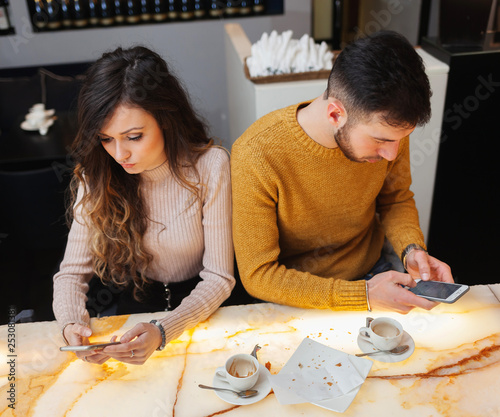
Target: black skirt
107, 300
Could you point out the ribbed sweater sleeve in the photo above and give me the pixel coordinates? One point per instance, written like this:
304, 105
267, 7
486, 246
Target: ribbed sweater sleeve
185, 239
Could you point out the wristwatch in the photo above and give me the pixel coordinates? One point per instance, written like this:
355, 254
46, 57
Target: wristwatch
408, 249
162, 331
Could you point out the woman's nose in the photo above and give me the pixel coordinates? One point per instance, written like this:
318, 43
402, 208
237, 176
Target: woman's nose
121, 152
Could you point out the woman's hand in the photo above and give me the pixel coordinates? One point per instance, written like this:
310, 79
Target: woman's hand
137, 345
78, 335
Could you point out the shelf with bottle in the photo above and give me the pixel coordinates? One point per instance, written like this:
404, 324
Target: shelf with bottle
53, 15
6, 27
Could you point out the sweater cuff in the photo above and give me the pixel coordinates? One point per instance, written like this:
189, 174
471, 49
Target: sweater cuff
349, 295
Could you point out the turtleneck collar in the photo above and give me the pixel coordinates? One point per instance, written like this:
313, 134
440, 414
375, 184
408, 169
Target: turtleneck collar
156, 174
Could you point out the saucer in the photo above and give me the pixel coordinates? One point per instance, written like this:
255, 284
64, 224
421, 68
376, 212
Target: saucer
366, 347
262, 385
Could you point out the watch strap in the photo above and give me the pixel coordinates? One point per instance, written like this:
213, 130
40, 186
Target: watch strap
411, 247
162, 331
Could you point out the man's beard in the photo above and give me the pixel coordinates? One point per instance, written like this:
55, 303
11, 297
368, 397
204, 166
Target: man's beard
343, 140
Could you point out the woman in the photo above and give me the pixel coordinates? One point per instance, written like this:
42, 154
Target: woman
150, 205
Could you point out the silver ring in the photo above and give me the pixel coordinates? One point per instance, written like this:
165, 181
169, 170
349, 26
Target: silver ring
132, 354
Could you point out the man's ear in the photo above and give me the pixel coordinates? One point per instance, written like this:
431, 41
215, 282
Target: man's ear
336, 114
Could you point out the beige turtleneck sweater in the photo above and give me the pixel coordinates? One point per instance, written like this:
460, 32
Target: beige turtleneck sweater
184, 243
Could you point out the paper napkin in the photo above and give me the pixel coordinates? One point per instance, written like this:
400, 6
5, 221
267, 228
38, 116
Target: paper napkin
320, 375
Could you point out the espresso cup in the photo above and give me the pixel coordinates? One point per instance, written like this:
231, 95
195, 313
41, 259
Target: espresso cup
384, 333
241, 371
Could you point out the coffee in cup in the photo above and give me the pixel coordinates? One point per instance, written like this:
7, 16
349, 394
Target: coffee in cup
384, 333
241, 371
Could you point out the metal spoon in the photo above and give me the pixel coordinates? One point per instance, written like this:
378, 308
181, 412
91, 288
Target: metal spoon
398, 350
243, 394
255, 350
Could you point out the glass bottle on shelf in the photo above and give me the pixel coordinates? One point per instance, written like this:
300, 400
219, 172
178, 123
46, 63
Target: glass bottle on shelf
133, 11
173, 9
66, 18
199, 9
259, 6
160, 10
40, 18
246, 7
53, 14
187, 9
80, 11
5, 25
119, 11
106, 12
145, 10
215, 8
93, 12
232, 8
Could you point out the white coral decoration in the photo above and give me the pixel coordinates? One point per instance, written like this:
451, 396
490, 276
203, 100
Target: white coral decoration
280, 54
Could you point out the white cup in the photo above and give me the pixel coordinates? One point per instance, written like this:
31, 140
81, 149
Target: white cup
241, 371
384, 333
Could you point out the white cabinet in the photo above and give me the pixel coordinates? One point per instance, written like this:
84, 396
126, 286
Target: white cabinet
249, 101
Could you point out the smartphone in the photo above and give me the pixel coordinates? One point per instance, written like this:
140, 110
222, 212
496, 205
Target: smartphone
86, 348
443, 292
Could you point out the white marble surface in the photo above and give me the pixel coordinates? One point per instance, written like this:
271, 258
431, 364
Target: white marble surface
454, 371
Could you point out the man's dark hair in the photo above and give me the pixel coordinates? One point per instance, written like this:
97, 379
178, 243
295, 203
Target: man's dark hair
383, 74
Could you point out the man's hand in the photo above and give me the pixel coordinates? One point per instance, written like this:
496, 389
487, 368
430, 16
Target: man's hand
420, 264
385, 292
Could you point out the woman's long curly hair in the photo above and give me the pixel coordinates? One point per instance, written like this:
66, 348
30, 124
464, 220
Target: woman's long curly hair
112, 205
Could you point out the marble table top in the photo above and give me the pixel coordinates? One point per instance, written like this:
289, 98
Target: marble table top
453, 372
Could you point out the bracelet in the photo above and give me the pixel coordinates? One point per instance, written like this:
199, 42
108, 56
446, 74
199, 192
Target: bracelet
162, 331
62, 333
367, 299
411, 247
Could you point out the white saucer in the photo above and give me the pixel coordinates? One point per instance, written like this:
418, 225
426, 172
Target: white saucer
366, 347
263, 386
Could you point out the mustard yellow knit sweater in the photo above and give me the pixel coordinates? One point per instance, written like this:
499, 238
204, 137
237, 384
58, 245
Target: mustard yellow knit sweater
307, 222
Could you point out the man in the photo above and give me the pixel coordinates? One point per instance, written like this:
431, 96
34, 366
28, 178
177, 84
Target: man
319, 186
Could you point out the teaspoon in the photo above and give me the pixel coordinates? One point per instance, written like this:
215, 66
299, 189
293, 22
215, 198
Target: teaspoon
243, 394
398, 350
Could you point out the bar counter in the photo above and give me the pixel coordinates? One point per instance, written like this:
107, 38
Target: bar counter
453, 372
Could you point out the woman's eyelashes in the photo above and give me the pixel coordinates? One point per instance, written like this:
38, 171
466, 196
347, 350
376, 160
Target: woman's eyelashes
134, 137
